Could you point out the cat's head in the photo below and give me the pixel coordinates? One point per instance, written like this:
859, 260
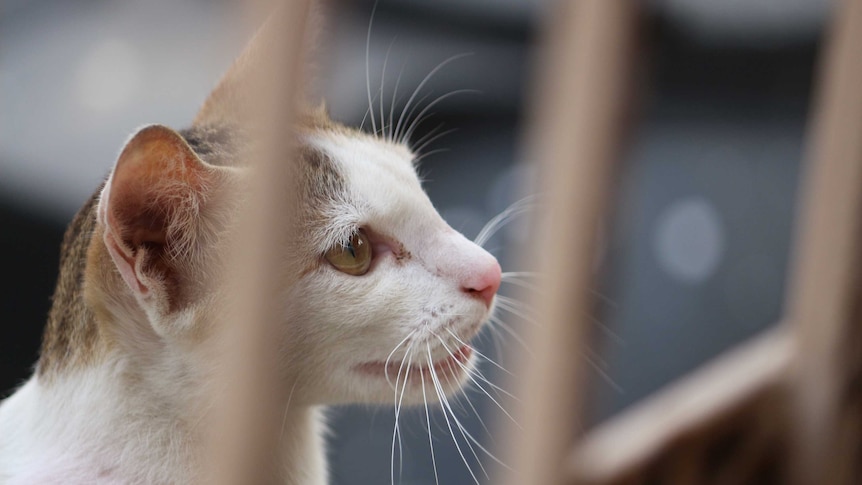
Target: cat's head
394, 292
385, 291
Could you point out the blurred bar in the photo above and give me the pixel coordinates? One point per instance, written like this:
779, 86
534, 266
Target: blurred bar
824, 299
724, 423
249, 422
576, 141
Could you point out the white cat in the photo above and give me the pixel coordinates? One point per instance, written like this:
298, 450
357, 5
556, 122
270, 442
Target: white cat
387, 292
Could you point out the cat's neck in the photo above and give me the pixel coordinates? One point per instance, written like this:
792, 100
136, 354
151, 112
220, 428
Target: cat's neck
119, 423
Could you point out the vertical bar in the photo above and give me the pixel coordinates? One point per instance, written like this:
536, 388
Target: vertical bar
576, 141
266, 82
824, 301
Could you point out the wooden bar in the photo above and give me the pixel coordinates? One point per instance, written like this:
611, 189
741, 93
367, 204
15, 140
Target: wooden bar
267, 85
786, 408
824, 299
725, 419
576, 141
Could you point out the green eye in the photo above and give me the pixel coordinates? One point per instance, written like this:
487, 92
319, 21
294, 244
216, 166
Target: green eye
352, 258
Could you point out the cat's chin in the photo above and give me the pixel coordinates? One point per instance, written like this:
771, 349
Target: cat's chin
445, 375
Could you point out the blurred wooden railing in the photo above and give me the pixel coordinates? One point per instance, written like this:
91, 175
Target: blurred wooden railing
783, 408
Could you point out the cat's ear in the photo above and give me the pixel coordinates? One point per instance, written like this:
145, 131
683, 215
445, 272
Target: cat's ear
149, 209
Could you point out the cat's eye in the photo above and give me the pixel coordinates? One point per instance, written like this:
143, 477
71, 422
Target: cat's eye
353, 257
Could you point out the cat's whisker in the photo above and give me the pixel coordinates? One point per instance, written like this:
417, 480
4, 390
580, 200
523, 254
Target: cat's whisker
444, 404
397, 427
421, 141
428, 421
514, 303
504, 217
420, 145
455, 401
405, 138
389, 357
598, 358
514, 306
468, 437
419, 88
367, 66
507, 305
465, 394
480, 354
418, 119
511, 306
520, 274
495, 337
431, 132
606, 330
512, 333
604, 375
396, 433
286, 408
469, 373
494, 387
521, 283
382, 85
425, 115
498, 391
515, 277
392, 105
365, 116
432, 152
616, 387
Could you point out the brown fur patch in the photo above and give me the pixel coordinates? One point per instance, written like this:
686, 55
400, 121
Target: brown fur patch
219, 144
402, 254
71, 336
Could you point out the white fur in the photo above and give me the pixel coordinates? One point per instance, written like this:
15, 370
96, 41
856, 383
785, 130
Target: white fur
135, 416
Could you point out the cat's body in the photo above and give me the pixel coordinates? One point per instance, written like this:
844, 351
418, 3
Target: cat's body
386, 293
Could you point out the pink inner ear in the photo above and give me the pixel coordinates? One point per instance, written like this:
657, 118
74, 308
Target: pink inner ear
125, 263
155, 173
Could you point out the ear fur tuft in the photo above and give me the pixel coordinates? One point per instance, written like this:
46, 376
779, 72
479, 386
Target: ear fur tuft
150, 205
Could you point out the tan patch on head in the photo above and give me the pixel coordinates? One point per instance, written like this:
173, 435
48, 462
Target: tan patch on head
72, 337
402, 254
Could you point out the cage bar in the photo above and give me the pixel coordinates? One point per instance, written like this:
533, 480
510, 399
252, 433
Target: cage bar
575, 140
785, 407
824, 300
248, 418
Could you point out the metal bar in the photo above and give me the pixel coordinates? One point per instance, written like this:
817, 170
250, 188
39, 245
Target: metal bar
824, 299
576, 142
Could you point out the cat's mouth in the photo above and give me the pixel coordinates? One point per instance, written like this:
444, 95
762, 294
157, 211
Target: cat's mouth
452, 366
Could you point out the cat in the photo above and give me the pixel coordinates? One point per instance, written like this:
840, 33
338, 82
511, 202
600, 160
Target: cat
386, 295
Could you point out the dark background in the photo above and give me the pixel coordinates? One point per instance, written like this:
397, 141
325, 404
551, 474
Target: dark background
694, 259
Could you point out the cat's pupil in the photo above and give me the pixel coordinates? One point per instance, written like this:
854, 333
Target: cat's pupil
352, 256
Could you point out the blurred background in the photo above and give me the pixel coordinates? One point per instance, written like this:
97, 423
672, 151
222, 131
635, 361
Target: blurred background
693, 260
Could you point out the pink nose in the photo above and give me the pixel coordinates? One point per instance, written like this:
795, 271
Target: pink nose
485, 281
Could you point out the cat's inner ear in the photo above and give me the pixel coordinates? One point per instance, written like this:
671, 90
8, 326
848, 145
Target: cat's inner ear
150, 206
